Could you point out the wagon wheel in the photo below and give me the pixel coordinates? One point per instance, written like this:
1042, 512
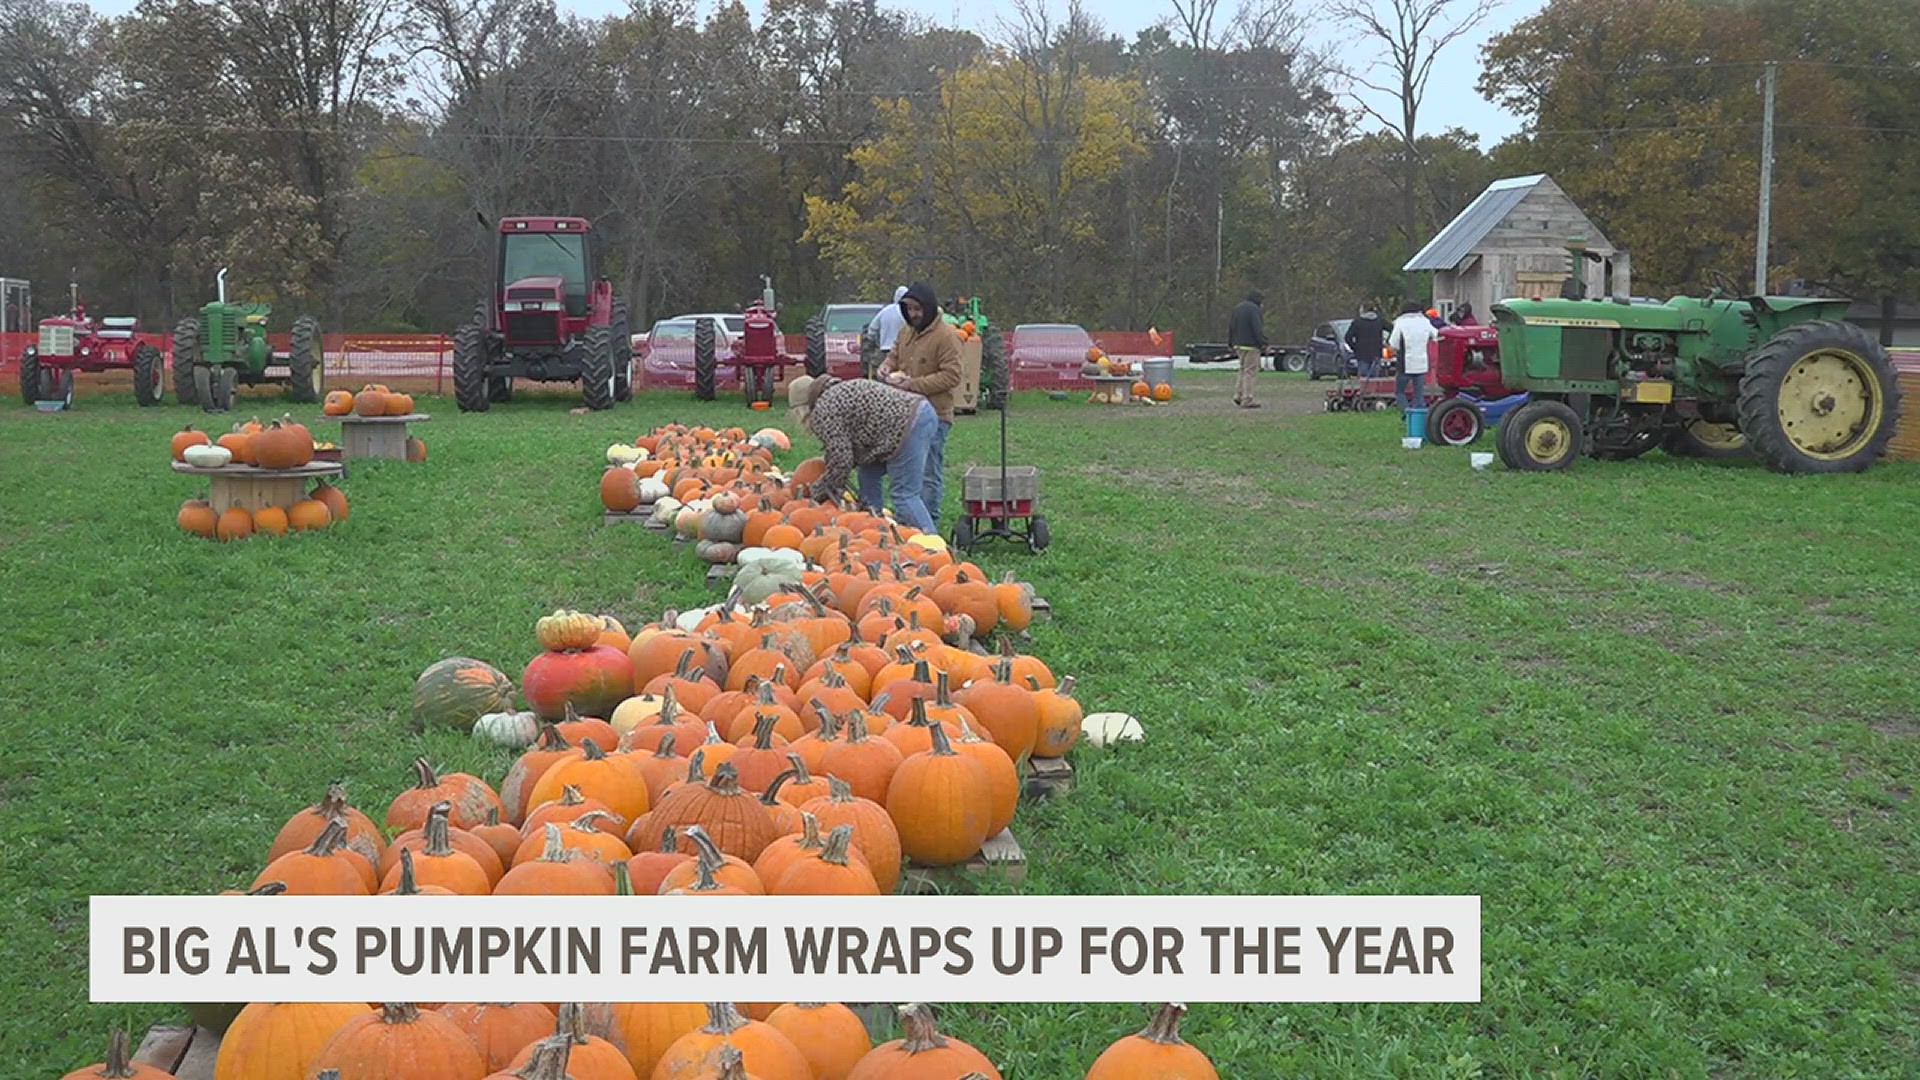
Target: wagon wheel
963, 534
1038, 536
147, 374
994, 378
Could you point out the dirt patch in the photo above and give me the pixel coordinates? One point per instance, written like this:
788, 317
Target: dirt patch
1387, 513
1899, 727
1687, 580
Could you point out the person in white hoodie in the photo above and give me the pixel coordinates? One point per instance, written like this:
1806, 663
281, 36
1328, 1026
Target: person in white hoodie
1412, 333
886, 325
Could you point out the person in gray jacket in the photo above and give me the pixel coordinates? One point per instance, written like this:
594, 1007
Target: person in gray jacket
1247, 336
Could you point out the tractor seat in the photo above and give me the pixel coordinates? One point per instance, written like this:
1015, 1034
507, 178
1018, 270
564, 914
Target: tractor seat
257, 319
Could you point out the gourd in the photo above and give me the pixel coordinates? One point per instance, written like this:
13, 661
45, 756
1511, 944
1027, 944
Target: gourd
203, 456
513, 730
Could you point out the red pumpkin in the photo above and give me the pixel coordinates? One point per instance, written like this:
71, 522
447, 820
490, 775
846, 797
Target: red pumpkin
594, 680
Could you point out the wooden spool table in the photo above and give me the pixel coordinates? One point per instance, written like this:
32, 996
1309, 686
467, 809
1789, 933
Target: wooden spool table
376, 436
254, 488
1111, 389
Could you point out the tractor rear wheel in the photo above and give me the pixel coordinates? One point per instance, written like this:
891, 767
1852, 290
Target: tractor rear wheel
596, 367
1820, 397
817, 345
30, 376
186, 357
994, 379
1540, 436
622, 342
1455, 422
470, 389
147, 376
704, 360
306, 362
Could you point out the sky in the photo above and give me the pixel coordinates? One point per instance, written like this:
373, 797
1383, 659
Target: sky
1451, 100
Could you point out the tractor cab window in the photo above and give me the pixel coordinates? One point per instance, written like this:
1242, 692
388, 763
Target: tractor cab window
526, 255
848, 320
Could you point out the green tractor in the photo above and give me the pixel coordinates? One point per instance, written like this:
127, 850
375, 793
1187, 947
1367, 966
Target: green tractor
1782, 378
993, 351
226, 345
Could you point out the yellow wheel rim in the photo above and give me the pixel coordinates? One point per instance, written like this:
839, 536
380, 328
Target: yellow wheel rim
1548, 439
1830, 403
1718, 436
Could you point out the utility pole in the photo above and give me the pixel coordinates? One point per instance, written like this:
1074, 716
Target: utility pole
1766, 182
1219, 228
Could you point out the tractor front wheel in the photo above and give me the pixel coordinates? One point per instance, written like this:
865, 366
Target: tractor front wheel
596, 368
1455, 422
147, 376
30, 376
1540, 436
817, 345
705, 362
306, 362
1820, 397
186, 357
622, 343
470, 389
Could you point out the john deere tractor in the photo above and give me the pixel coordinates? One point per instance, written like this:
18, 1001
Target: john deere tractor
226, 345
993, 352
1782, 378
550, 319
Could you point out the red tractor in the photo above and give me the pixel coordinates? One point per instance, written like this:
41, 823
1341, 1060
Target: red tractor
1465, 366
550, 320
758, 352
74, 342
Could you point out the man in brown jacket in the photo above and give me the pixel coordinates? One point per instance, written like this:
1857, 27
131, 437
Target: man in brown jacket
926, 360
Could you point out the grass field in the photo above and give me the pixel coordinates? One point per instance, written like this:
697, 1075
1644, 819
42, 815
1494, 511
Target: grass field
1663, 716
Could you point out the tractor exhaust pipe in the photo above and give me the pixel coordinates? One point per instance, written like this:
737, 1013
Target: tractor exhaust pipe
220, 279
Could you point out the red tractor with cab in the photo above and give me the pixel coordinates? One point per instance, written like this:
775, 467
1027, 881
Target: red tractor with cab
76, 342
550, 320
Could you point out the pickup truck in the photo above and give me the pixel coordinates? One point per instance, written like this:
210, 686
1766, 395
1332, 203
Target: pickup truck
1282, 357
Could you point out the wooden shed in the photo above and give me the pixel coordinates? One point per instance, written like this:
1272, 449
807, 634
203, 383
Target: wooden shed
1511, 241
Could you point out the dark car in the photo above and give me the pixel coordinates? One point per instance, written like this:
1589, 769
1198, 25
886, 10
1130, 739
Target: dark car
1327, 353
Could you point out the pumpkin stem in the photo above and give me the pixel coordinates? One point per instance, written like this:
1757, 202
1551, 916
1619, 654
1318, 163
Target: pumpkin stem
713, 735
880, 700
493, 815
572, 715
685, 665
838, 790
669, 705
554, 850
922, 671
119, 1061
779, 674
921, 1032
334, 802
731, 1063
697, 766
571, 796
764, 688
942, 692
590, 821
723, 1018
591, 750
572, 1024
726, 779
1165, 1028
771, 796
832, 679
763, 730
810, 831
799, 772
838, 843
665, 748
704, 848
669, 840
408, 886
439, 840
331, 839
857, 726
548, 1060
268, 888
425, 776
830, 724
1065, 689
919, 717
942, 746
399, 1012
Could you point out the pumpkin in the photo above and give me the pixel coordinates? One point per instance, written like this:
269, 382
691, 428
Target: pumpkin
785, 815
716, 552
399, 404
283, 446
302, 828
197, 517
416, 449
469, 797
916, 735
767, 1054
1026, 670
408, 885
1060, 719
858, 680
370, 402
874, 834
280, 1040
564, 630
589, 1057
615, 779
942, 803
438, 863
475, 846
834, 870
832, 1036
727, 869
548, 747
647, 869
578, 730
119, 1064
557, 872
1155, 1051
594, 679
970, 596
502, 837
208, 456
809, 472
565, 810
1141, 389
326, 867
1163, 392
455, 692
724, 521
1015, 601
762, 755
501, 1030
662, 768
309, 515
687, 729
234, 523
619, 489
736, 821
270, 519
401, 1043
781, 854
333, 498
585, 837
188, 436
649, 1028
664, 651
866, 764
1005, 711
512, 730
1003, 778
337, 403
802, 786
612, 634
704, 882
236, 444
923, 1054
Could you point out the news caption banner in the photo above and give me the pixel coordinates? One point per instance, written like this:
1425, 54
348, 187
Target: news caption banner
932, 949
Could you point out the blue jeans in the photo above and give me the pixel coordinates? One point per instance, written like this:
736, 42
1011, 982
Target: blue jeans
1411, 390
905, 472
933, 485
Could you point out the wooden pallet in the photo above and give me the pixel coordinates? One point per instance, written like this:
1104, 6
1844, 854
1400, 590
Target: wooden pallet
188, 1052
1046, 778
631, 517
719, 577
1000, 857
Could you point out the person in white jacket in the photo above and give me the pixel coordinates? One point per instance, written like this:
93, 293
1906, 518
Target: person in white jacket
886, 325
1412, 333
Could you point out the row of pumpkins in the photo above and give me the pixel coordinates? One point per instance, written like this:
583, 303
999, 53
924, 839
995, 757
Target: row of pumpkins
322, 507
572, 1041
372, 400
278, 444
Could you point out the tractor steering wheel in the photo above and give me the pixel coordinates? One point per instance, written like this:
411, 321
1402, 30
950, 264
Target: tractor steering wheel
1723, 287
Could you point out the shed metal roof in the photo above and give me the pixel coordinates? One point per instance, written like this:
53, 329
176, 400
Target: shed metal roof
1463, 233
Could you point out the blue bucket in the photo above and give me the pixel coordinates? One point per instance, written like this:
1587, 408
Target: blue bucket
1417, 423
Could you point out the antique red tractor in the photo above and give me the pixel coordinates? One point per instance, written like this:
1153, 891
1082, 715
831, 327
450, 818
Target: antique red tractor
76, 342
1466, 368
551, 318
758, 352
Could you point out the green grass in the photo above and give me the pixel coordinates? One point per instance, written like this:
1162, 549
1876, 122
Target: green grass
1660, 715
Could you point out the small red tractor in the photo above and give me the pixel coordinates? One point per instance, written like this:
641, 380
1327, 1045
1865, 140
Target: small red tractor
76, 342
551, 319
1466, 368
758, 352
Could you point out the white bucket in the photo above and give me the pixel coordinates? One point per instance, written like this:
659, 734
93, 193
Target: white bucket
1479, 461
1411, 442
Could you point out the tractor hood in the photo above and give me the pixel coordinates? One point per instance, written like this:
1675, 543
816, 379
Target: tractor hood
547, 287
1608, 314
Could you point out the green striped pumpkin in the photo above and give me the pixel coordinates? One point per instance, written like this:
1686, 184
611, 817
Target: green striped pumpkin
455, 692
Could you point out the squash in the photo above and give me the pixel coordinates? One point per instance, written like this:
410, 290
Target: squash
513, 730
203, 456
458, 691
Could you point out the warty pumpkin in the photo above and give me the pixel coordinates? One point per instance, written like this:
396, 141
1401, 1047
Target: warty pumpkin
326, 867
767, 1054
875, 835
557, 872
832, 1036
400, 1042
923, 1054
280, 1040
1156, 1051
119, 1064
300, 830
942, 803
469, 798
589, 1057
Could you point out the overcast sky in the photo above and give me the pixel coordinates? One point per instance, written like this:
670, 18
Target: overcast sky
1451, 100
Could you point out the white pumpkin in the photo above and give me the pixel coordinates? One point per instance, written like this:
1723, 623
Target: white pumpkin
625, 454
513, 730
1105, 728
653, 489
635, 711
207, 457
755, 582
665, 509
754, 556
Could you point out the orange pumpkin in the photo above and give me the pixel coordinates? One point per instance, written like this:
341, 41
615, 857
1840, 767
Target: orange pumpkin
1005, 710
280, 1041
399, 404
119, 1064
737, 822
767, 1054
326, 867
337, 403
309, 515
301, 829
615, 779
647, 869
557, 872
469, 796
461, 840
197, 517
187, 437
503, 838
589, 1057
942, 803
648, 1029
728, 869
874, 832
501, 1031
923, 1053
401, 1043
1156, 1051
333, 498
370, 401
584, 837
867, 764
234, 523
1060, 719
832, 1036
833, 870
